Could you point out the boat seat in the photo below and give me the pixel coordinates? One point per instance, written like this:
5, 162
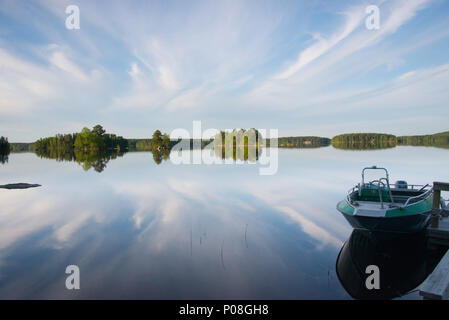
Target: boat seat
372, 194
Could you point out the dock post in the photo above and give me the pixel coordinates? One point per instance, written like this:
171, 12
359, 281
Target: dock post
438, 229
436, 206
437, 188
436, 286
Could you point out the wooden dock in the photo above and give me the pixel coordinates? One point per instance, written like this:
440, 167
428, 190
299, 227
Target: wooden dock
436, 286
438, 229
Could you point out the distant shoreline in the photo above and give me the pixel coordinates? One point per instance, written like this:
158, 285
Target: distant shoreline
438, 139
446, 133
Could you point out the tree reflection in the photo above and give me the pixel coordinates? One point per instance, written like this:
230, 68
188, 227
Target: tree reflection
3, 158
87, 160
160, 154
5, 148
243, 153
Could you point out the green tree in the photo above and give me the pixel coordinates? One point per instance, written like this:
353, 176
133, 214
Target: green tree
157, 135
98, 130
156, 141
89, 141
165, 141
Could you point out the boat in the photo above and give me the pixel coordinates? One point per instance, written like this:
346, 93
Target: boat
378, 206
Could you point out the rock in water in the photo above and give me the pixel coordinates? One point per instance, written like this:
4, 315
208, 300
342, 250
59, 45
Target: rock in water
19, 186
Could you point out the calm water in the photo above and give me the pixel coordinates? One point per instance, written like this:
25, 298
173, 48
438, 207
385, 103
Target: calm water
142, 230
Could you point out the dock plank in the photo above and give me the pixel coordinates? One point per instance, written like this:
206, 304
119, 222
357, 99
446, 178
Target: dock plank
436, 286
443, 186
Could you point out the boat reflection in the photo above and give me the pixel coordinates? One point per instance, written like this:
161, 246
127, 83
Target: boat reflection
404, 262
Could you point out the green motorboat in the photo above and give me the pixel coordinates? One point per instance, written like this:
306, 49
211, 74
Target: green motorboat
378, 206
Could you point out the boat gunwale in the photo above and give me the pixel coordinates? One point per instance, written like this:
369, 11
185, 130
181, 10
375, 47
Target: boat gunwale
389, 209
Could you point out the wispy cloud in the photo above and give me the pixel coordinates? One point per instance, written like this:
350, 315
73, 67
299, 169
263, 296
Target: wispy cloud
321, 73
214, 60
323, 45
27, 85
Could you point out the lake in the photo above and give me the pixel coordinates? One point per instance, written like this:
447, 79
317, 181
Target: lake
139, 230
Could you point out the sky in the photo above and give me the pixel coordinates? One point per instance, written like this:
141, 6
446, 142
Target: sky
302, 67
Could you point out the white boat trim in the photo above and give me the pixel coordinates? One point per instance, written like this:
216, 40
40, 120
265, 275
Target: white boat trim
370, 209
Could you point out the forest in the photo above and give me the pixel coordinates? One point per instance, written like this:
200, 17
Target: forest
93, 148
95, 140
236, 138
439, 140
89, 148
303, 142
371, 141
364, 141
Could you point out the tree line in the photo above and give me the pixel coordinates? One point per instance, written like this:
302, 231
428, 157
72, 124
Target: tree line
253, 137
303, 142
63, 146
439, 140
236, 138
366, 141
95, 140
89, 148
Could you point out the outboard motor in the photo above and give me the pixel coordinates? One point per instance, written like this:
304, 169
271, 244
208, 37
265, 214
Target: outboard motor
401, 184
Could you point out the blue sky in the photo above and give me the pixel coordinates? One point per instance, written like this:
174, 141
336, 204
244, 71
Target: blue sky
304, 67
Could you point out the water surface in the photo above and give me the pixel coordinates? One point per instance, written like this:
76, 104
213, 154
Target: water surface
139, 230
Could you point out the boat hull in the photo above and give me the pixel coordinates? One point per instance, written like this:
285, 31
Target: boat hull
406, 223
